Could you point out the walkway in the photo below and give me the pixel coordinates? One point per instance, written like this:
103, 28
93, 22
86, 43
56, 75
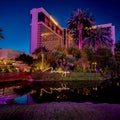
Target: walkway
60, 111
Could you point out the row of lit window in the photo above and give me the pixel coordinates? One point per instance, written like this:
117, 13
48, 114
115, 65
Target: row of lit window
49, 23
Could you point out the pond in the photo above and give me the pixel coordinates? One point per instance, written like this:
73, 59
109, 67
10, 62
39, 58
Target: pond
7, 90
48, 91
25, 99
25, 93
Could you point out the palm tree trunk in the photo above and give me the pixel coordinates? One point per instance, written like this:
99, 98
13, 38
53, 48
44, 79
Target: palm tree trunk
80, 27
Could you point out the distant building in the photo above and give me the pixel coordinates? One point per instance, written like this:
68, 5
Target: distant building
67, 38
9, 54
46, 32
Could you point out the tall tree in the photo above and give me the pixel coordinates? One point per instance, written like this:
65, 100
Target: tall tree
39, 50
90, 55
1, 35
77, 23
98, 37
103, 58
25, 58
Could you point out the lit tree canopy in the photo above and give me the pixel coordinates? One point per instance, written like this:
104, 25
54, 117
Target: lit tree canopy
98, 37
79, 20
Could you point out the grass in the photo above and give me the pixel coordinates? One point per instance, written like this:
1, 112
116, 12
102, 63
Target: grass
69, 76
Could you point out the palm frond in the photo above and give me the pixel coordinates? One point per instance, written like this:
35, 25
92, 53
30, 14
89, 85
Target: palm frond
80, 18
98, 37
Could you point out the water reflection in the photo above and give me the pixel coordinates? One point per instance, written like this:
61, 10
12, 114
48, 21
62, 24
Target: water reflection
44, 91
7, 93
25, 99
3, 99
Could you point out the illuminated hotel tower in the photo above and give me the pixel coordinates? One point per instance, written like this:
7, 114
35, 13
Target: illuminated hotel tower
45, 31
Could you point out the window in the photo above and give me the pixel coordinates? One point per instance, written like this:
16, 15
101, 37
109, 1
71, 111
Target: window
41, 17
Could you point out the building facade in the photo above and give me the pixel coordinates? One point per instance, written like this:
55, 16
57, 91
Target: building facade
110, 27
46, 32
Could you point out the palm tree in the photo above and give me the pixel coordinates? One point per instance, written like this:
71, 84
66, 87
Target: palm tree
98, 37
79, 20
39, 50
1, 36
104, 59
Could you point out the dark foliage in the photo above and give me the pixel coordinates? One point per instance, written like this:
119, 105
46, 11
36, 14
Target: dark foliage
1, 35
25, 58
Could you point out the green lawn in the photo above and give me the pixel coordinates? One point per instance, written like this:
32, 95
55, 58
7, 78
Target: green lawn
69, 76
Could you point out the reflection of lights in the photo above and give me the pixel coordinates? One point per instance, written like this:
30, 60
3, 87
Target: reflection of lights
95, 88
53, 20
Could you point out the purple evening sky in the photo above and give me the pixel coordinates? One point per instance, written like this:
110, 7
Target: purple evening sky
15, 17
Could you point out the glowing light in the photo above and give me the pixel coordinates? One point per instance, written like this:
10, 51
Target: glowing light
46, 34
90, 28
94, 27
53, 20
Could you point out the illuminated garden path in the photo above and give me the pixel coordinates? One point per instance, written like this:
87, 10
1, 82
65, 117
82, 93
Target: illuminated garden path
60, 111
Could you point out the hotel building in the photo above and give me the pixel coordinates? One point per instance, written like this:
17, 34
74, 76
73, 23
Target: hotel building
110, 27
46, 32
